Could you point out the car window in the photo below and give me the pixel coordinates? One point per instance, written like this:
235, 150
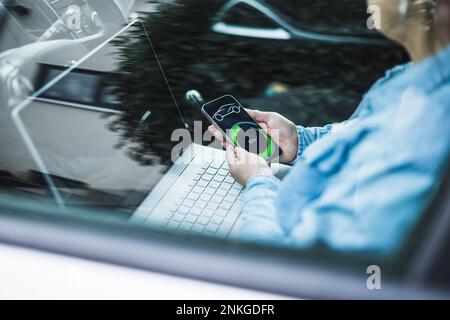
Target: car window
100, 121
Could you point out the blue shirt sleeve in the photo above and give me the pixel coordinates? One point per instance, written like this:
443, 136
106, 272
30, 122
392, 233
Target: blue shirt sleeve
259, 215
307, 136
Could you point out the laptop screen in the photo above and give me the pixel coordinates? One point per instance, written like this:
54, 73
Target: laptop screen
100, 143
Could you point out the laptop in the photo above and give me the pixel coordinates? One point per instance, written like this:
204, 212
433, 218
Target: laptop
194, 194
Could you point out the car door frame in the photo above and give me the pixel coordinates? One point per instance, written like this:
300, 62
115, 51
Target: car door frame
282, 271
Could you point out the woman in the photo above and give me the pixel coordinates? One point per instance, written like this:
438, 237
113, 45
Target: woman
362, 184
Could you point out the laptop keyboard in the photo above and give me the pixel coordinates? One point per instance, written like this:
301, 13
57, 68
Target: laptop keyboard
205, 204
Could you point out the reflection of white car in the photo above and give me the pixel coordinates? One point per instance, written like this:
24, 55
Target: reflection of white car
225, 111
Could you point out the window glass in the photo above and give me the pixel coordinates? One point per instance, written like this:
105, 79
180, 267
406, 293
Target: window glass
104, 121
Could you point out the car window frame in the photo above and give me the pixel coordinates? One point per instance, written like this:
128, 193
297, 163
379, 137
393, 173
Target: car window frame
285, 271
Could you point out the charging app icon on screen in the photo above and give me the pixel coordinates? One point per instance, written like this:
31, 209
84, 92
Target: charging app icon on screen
225, 111
250, 137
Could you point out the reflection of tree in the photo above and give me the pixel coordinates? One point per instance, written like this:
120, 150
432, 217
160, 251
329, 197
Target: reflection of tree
140, 85
196, 58
141, 88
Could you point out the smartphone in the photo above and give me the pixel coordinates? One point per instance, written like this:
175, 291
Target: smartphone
239, 128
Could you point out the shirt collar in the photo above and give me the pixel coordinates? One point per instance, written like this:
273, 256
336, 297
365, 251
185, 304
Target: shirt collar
426, 75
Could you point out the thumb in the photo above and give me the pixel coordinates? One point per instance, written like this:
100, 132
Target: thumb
230, 154
258, 116
240, 153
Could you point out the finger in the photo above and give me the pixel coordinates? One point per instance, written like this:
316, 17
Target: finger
226, 144
255, 114
241, 154
216, 133
230, 154
264, 126
212, 129
219, 136
258, 116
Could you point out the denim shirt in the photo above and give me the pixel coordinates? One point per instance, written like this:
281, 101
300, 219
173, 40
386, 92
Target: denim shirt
363, 184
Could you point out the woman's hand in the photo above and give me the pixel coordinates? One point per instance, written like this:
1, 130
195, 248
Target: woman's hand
282, 131
244, 165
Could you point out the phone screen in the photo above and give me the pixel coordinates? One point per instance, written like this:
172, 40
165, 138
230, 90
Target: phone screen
230, 117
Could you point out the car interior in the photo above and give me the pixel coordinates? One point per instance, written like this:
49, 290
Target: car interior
74, 105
